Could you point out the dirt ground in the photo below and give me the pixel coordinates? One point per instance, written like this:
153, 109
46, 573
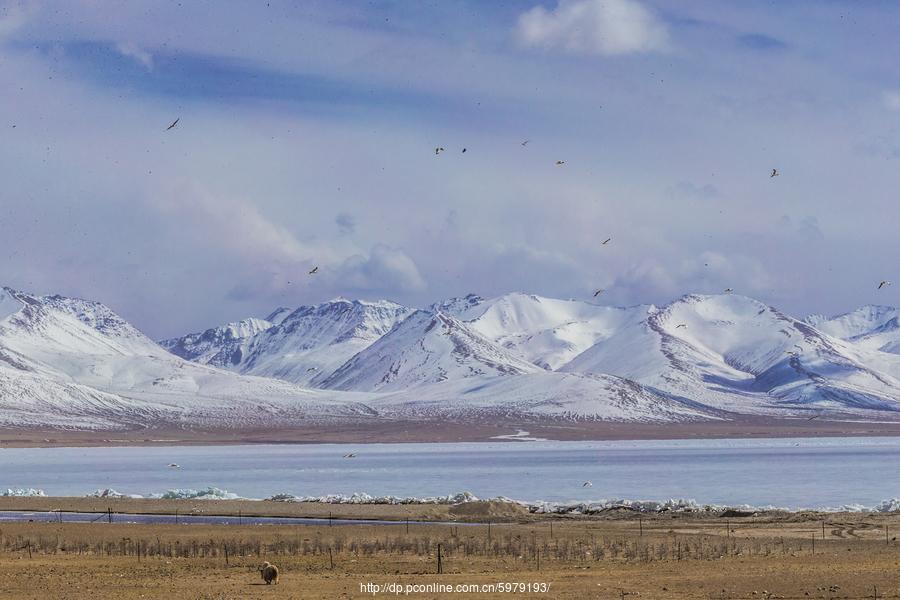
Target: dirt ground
616, 555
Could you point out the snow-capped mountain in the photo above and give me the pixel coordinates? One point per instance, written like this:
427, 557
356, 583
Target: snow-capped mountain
303, 346
740, 355
313, 341
427, 347
224, 346
543, 331
74, 363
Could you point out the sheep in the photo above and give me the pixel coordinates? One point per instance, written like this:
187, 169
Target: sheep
269, 573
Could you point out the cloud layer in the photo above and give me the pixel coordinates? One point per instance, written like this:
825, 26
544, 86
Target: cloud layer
606, 27
306, 138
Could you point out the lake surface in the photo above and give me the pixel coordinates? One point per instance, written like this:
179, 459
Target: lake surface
789, 473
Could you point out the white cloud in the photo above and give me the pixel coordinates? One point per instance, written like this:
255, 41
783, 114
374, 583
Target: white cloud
266, 258
660, 280
385, 269
135, 52
891, 99
605, 27
234, 227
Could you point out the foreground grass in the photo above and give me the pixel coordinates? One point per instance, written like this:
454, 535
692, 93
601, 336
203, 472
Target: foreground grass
661, 557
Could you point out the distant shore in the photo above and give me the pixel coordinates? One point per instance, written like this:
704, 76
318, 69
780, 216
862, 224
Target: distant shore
450, 431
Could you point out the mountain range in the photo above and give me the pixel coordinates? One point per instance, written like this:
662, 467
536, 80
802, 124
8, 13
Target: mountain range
71, 363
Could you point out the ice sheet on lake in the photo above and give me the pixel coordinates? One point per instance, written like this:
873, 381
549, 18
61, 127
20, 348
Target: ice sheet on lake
362, 498
22, 492
210, 493
111, 493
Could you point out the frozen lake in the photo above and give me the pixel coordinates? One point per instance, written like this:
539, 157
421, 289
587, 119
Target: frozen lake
790, 473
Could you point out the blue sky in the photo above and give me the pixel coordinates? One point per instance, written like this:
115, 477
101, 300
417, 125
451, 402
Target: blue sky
307, 135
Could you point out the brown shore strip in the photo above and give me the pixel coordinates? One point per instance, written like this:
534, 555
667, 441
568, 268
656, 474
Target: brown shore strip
472, 512
450, 431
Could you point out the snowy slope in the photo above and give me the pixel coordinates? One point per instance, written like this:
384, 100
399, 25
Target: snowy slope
73, 361
544, 331
426, 348
541, 395
737, 354
873, 327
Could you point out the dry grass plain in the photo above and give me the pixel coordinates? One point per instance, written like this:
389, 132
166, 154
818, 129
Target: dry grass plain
615, 555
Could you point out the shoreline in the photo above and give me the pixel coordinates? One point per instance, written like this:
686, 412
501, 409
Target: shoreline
449, 431
473, 511
476, 511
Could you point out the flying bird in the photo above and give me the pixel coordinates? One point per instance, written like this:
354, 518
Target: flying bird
311, 369
728, 290
587, 484
464, 150
775, 173
525, 143
883, 283
438, 150
791, 352
174, 466
314, 270
680, 325
174, 123
606, 241
560, 162
598, 292
351, 455
813, 417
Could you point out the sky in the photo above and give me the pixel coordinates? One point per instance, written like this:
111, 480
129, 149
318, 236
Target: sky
307, 135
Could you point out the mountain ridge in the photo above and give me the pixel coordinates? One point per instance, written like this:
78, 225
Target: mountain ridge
66, 362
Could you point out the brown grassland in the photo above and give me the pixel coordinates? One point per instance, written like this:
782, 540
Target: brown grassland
614, 555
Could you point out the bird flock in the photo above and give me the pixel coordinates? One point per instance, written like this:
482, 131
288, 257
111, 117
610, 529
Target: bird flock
439, 149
